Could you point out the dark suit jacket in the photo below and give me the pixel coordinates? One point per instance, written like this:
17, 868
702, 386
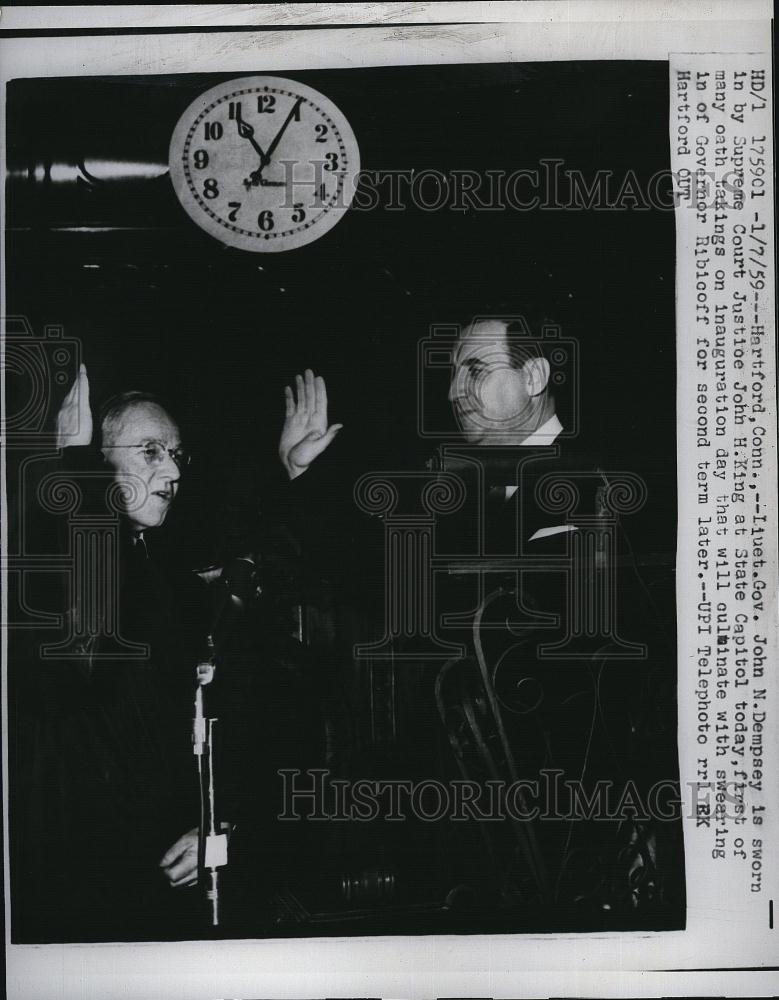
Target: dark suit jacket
106, 779
593, 707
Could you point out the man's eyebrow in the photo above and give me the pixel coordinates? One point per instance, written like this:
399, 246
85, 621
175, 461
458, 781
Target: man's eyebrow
163, 441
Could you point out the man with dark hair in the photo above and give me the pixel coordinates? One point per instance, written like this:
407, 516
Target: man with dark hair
500, 387
559, 680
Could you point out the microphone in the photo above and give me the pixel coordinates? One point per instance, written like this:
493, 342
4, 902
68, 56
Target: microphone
237, 586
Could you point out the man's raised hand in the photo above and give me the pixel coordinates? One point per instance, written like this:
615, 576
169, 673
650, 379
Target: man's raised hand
74, 420
305, 433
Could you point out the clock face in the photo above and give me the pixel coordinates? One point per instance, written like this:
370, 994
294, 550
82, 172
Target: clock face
264, 164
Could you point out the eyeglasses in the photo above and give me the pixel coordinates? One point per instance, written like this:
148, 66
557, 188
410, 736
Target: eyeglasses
154, 453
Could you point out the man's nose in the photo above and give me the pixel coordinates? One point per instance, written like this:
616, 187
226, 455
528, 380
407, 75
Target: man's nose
169, 469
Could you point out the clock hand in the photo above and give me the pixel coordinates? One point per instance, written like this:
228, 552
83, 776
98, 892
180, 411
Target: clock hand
255, 177
287, 120
247, 132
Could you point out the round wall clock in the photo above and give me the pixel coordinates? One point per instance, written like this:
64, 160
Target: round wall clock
264, 164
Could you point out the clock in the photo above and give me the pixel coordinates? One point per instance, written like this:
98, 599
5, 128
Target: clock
263, 163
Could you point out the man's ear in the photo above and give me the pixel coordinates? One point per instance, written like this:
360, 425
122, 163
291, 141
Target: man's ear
537, 375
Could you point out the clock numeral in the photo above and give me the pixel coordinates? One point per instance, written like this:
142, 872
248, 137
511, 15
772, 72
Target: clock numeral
201, 159
233, 206
266, 103
214, 130
332, 161
211, 189
321, 193
321, 132
299, 214
235, 109
265, 220
296, 110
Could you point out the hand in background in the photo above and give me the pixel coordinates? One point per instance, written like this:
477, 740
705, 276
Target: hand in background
74, 420
305, 433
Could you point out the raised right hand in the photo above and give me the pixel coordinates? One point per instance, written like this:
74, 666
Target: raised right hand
305, 433
74, 420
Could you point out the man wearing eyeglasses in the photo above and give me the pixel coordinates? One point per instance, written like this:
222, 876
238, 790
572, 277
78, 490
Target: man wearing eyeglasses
112, 796
111, 799
142, 444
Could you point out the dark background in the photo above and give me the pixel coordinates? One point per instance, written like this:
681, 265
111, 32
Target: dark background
158, 304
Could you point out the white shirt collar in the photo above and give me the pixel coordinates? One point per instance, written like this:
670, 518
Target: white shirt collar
545, 434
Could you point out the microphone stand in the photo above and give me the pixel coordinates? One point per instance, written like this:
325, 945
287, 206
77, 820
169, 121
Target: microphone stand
212, 843
238, 582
